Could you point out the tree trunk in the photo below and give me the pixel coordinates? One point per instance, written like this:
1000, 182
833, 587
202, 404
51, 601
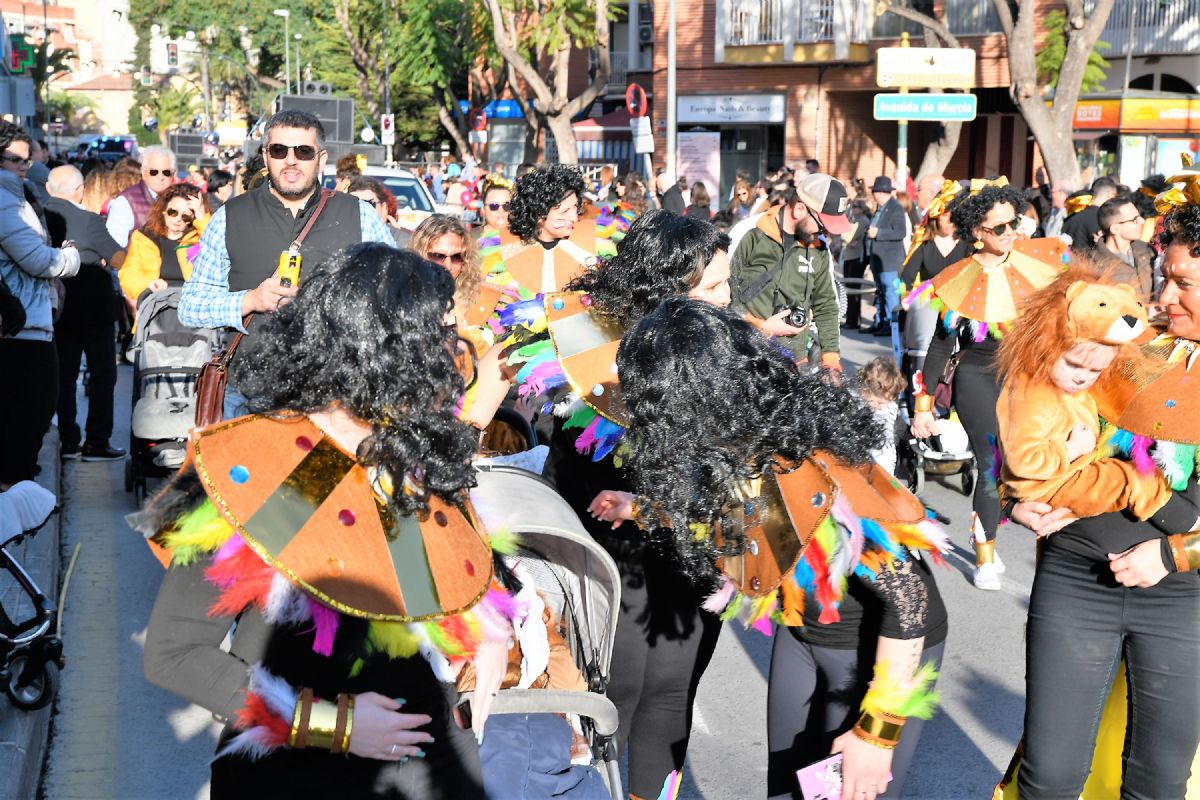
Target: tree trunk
564, 137
939, 151
451, 126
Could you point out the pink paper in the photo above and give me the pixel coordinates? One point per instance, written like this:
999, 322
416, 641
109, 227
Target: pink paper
823, 780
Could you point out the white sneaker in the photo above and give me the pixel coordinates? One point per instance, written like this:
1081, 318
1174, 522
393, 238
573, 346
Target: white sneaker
987, 577
998, 562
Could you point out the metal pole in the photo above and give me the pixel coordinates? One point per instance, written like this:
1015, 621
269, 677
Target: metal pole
287, 53
902, 136
1129, 43
46, 66
299, 65
671, 97
206, 88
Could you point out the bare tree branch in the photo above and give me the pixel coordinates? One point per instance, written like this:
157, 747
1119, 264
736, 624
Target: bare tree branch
603, 63
506, 39
1005, 15
926, 21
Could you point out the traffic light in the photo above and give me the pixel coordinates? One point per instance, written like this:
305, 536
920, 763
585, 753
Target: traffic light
147, 77
172, 54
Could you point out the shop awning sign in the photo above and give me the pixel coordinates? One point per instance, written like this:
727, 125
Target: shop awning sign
926, 107
935, 67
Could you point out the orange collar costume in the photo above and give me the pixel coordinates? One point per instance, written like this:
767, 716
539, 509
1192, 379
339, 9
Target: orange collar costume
535, 269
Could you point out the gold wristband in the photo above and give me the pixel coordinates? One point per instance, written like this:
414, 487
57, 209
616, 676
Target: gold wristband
298, 735
323, 724
882, 731
338, 746
1185, 550
923, 403
985, 553
349, 724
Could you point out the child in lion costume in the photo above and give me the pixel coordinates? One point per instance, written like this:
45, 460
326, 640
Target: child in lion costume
1071, 332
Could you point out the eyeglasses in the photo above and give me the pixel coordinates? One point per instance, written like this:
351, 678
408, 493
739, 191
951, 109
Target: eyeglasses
444, 258
183, 215
498, 206
154, 173
304, 152
1003, 227
1138, 218
17, 160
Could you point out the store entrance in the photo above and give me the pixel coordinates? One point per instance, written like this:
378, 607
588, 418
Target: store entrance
753, 148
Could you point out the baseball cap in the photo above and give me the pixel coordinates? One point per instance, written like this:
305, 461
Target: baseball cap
826, 196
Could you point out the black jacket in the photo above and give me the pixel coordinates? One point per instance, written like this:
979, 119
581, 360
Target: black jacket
91, 297
672, 200
886, 250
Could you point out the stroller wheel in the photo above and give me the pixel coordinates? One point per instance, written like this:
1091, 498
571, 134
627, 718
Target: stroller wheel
31, 692
968, 481
916, 480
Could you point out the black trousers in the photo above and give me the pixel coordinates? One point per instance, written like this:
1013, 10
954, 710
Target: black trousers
854, 268
30, 374
975, 394
663, 645
1082, 624
96, 343
813, 697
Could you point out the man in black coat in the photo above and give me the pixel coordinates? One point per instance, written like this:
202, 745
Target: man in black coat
1084, 226
85, 328
885, 252
670, 197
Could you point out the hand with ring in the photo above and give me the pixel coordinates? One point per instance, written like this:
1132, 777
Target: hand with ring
381, 731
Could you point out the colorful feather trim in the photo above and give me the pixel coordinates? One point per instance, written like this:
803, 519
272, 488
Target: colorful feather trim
914, 697
266, 718
844, 544
613, 223
921, 293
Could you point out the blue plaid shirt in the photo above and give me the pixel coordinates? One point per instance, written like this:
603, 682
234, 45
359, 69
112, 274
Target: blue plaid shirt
207, 301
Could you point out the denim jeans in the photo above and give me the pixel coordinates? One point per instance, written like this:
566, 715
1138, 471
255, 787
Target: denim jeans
1081, 624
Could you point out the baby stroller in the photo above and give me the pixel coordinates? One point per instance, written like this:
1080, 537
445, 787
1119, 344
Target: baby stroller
579, 582
948, 453
167, 358
31, 655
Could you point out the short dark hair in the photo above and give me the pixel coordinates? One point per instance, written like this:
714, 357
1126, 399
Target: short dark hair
813, 165
372, 185
524, 167
1182, 226
10, 133
1111, 211
219, 179
295, 118
1103, 182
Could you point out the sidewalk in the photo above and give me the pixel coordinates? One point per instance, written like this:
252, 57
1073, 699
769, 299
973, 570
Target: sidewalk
23, 734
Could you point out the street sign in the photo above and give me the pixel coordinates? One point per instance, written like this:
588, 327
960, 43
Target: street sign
477, 137
935, 67
643, 137
387, 129
635, 100
926, 107
478, 120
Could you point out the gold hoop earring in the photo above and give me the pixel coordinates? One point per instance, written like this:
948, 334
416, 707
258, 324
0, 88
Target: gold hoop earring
978, 245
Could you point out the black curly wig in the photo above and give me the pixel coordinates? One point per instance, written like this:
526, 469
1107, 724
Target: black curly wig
369, 331
967, 214
1182, 226
537, 193
663, 255
711, 402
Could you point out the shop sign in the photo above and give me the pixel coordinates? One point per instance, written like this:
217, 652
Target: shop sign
643, 138
926, 107
1161, 115
1097, 115
749, 108
935, 67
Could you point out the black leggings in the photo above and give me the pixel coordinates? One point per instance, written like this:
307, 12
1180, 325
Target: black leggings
664, 643
1081, 626
27, 401
975, 394
812, 698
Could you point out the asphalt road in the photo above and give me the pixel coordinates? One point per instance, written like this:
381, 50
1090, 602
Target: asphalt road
117, 736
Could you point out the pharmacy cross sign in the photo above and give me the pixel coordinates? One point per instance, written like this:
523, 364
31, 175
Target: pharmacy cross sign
23, 57
926, 107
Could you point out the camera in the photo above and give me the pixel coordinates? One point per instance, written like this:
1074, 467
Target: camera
797, 316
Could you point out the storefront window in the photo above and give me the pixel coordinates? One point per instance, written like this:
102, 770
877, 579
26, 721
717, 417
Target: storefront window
971, 17
889, 26
1097, 156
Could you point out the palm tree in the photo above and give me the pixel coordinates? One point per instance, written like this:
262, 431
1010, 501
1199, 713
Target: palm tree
174, 108
76, 109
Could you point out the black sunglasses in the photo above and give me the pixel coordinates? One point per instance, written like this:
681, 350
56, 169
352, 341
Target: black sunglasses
498, 206
155, 172
304, 152
18, 160
442, 258
175, 212
1000, 229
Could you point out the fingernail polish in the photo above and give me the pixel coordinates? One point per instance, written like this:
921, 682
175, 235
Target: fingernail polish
399, 700
479, 737
404, 760
419, 754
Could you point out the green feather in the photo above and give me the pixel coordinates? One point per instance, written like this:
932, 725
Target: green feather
199, 531
504, 541
580, 419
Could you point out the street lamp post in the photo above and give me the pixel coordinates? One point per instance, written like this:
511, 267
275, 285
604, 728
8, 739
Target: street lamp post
299, 65
287, 50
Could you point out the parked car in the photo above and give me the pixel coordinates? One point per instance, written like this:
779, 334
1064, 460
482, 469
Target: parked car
413, 200
112, 148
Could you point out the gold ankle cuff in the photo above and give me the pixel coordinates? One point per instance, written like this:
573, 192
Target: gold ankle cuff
985, 553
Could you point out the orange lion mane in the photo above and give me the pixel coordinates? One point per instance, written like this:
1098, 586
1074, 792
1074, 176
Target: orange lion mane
1041, 335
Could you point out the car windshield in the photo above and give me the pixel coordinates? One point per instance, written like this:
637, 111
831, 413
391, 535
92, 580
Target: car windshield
110, 146
409, 195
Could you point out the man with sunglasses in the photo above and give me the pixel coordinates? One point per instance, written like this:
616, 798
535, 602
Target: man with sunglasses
129, 210
234, 274
782, 271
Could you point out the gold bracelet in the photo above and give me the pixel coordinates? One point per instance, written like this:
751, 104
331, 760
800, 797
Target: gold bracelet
1185, 550
323, 724
882, 731
338, 745
349, 724
923, 403
298, 735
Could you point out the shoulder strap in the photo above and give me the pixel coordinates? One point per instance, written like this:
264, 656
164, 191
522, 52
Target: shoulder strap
308, 226
761, 282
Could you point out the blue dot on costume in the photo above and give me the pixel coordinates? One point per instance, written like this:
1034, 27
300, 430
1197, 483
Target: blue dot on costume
558, 304
598, 390
1170, 404
239, 474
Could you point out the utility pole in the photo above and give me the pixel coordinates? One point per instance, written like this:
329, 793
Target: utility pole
671, 97
387, 77
46, 66
299, 65
1129, 45
287, 47
902, 136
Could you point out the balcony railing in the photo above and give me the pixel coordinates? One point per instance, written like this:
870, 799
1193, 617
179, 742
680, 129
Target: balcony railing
755, 22
1159, 28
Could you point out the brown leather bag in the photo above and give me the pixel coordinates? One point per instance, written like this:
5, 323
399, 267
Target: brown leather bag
213, 379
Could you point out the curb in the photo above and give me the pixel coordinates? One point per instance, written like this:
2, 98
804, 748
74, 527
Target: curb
24, 734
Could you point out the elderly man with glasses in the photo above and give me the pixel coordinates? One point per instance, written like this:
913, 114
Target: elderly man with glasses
235, 274
129, 210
